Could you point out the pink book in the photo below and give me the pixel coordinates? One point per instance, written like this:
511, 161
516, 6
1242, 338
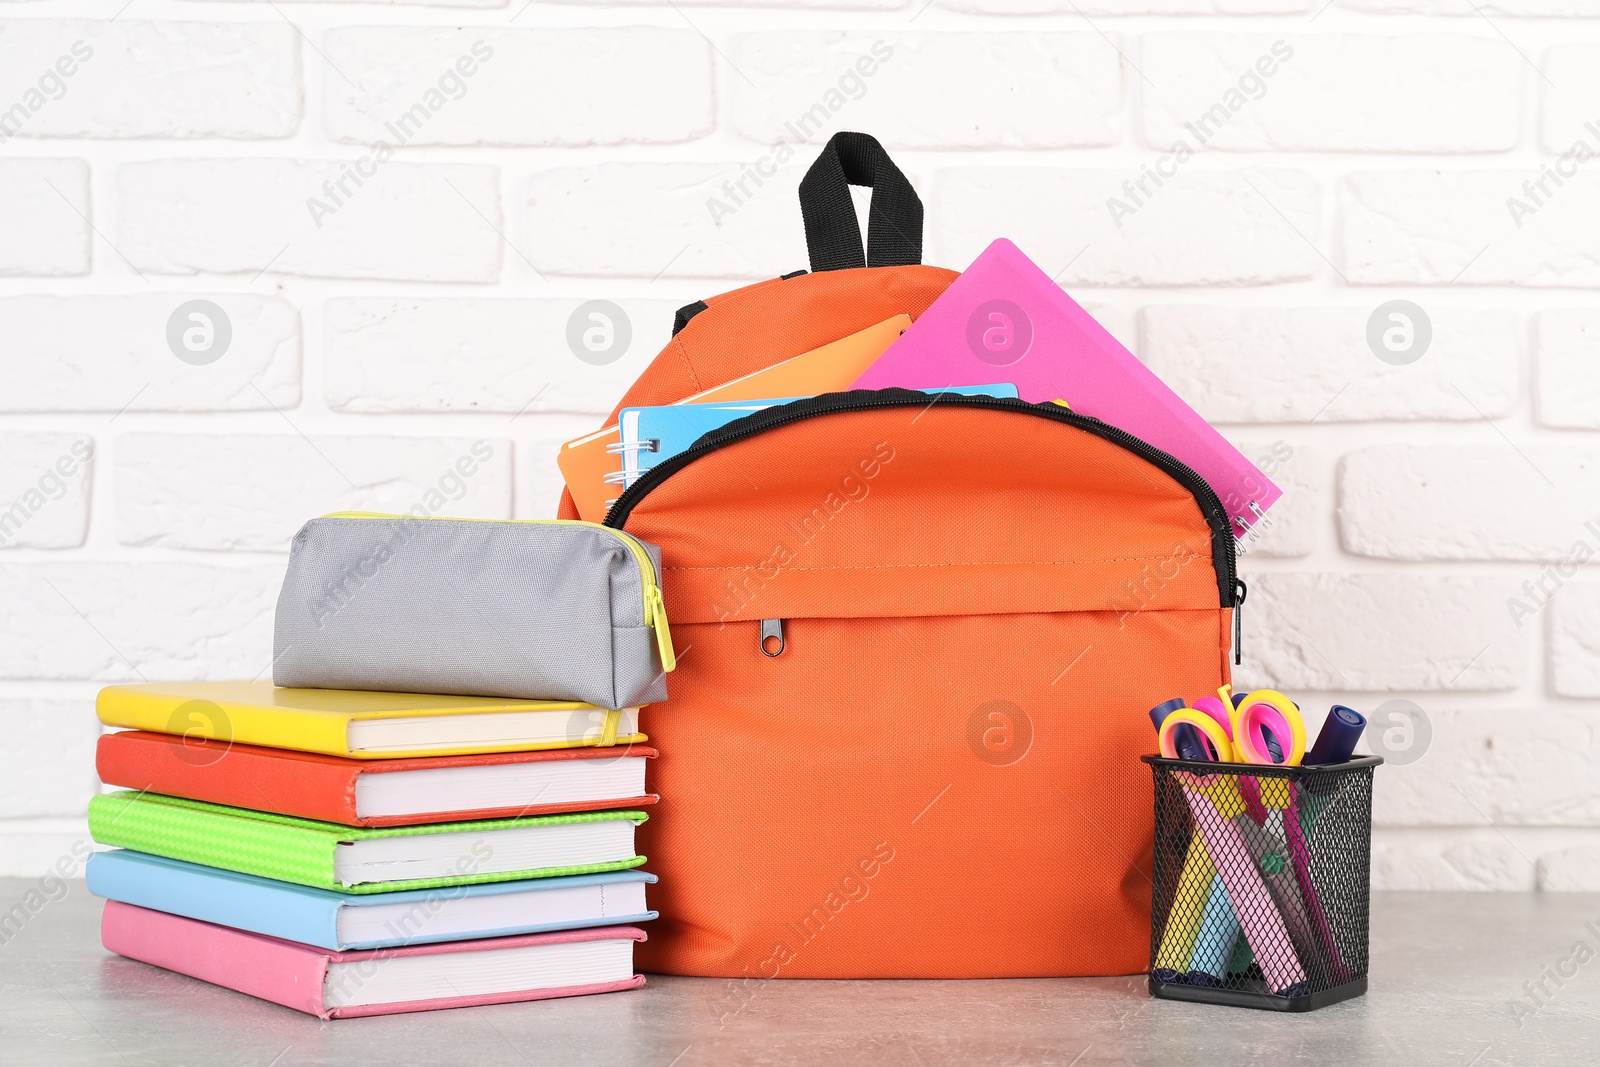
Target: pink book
345, 985
1004, 320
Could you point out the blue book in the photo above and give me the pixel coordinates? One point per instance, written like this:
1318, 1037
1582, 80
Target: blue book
340, 921
650, 435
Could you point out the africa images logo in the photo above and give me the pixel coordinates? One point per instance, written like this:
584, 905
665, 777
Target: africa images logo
999, 332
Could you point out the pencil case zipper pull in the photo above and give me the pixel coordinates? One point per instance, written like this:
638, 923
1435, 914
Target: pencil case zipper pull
656, 613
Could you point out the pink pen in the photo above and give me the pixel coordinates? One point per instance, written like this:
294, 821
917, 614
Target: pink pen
1258, 915
1300, 857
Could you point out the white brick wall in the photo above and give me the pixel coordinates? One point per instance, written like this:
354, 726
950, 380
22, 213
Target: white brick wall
1572, 98
112, 353
1304, 364
44, 222
388, 299
929, 90
646, 220
1079, 240
126, 620
527, 87
358, 217
1376, 633
100, 79
52, 776
44, 489
1443, 227
1129, 7
1418, 502
248, 493
1568, 378
1516, 766
452, 354
1249, 92
1575, 640
1470, 8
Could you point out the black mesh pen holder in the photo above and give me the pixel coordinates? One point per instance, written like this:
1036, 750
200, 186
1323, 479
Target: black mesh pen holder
1262, 883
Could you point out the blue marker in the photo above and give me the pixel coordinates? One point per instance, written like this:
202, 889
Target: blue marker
1337, 741
1189, 746
1213, 945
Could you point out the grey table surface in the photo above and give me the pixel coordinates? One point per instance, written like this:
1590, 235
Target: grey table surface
1446, 972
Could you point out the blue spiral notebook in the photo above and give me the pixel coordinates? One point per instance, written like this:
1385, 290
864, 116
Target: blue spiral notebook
341, 921
651, 435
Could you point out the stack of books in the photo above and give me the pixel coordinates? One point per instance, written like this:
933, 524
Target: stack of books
354, 853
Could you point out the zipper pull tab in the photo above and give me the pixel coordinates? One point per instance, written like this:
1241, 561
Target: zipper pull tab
658, 619
772, 638
1240, 591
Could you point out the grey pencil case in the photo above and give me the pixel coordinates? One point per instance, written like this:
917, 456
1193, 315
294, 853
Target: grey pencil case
541, 610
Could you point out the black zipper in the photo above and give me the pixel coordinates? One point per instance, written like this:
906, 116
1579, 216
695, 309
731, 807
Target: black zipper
1222, 542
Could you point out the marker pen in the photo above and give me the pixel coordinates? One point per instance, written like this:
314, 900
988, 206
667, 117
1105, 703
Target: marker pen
1178, 937
1242, 957
1219, 929
1300, 859
1188, 742
1183, 918
1253, 902
1271, 859
1336, 743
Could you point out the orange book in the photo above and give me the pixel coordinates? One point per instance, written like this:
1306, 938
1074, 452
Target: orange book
591, 465
391, 792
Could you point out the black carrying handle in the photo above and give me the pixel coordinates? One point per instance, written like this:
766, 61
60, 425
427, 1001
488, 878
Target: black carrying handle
894, 219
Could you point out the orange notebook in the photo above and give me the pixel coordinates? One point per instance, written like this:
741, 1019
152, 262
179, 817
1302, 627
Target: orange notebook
377, 793
593, 469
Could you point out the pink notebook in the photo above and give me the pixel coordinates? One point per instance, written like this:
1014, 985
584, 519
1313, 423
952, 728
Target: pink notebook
1003, 319
344, 985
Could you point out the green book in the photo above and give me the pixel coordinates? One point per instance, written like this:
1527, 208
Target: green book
349, 859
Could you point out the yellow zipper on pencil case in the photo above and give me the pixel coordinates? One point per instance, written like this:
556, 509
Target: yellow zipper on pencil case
655, 605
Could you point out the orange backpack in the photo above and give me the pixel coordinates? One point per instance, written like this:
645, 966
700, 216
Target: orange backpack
917, 641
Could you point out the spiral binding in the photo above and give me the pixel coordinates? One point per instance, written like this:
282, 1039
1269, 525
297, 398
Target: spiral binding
1252, 531
625, 477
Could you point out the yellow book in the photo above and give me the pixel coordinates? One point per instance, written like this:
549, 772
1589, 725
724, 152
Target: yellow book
360, 724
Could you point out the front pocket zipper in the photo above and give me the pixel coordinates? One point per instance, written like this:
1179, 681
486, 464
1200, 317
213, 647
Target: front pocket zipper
771, 638
654, 604
1239, 593
1222, 541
